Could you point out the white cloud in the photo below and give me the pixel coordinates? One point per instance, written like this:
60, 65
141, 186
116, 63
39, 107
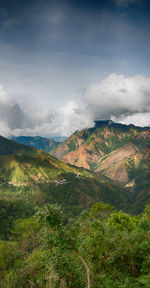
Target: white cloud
74, 118
67, 120
137, 119
11, 113
15, 119
27, 120
119, 95
4, 99
122, 99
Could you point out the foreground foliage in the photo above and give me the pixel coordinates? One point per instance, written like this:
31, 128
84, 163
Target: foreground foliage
100, 248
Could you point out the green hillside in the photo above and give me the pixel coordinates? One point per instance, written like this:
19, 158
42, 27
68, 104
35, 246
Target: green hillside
41, 178
34, 179
9, 147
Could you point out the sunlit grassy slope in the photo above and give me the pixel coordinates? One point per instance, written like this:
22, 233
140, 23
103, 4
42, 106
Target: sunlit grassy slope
41, 178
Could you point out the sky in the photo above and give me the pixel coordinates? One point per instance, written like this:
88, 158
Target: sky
65, 64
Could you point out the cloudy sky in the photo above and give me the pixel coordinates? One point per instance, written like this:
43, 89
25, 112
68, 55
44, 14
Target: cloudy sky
64, 64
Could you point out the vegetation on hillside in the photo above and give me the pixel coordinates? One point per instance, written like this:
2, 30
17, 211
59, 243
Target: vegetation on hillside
99, 248
8, 147
27, 181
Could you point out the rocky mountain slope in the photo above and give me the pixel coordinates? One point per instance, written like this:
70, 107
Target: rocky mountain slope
87, 147
120, 152
45, 144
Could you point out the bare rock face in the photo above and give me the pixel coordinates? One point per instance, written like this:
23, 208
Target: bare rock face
81, 157
118, 155
60, 150
114, 165
118, 174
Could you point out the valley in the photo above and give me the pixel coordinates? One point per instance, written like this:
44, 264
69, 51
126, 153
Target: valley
84, 201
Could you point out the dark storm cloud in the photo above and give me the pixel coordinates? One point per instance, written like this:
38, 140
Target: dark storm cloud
80, 26
13, 116
68, 32
126, 3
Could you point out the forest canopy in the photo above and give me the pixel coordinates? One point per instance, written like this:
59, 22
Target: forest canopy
99, 248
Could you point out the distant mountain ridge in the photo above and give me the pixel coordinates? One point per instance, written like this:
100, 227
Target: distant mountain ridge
38, 142
100, 123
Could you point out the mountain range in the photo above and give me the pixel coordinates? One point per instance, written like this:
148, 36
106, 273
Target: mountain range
121, 153
35, 178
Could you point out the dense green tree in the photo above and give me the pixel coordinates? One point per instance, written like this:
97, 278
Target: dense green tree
66, 238
101, 210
